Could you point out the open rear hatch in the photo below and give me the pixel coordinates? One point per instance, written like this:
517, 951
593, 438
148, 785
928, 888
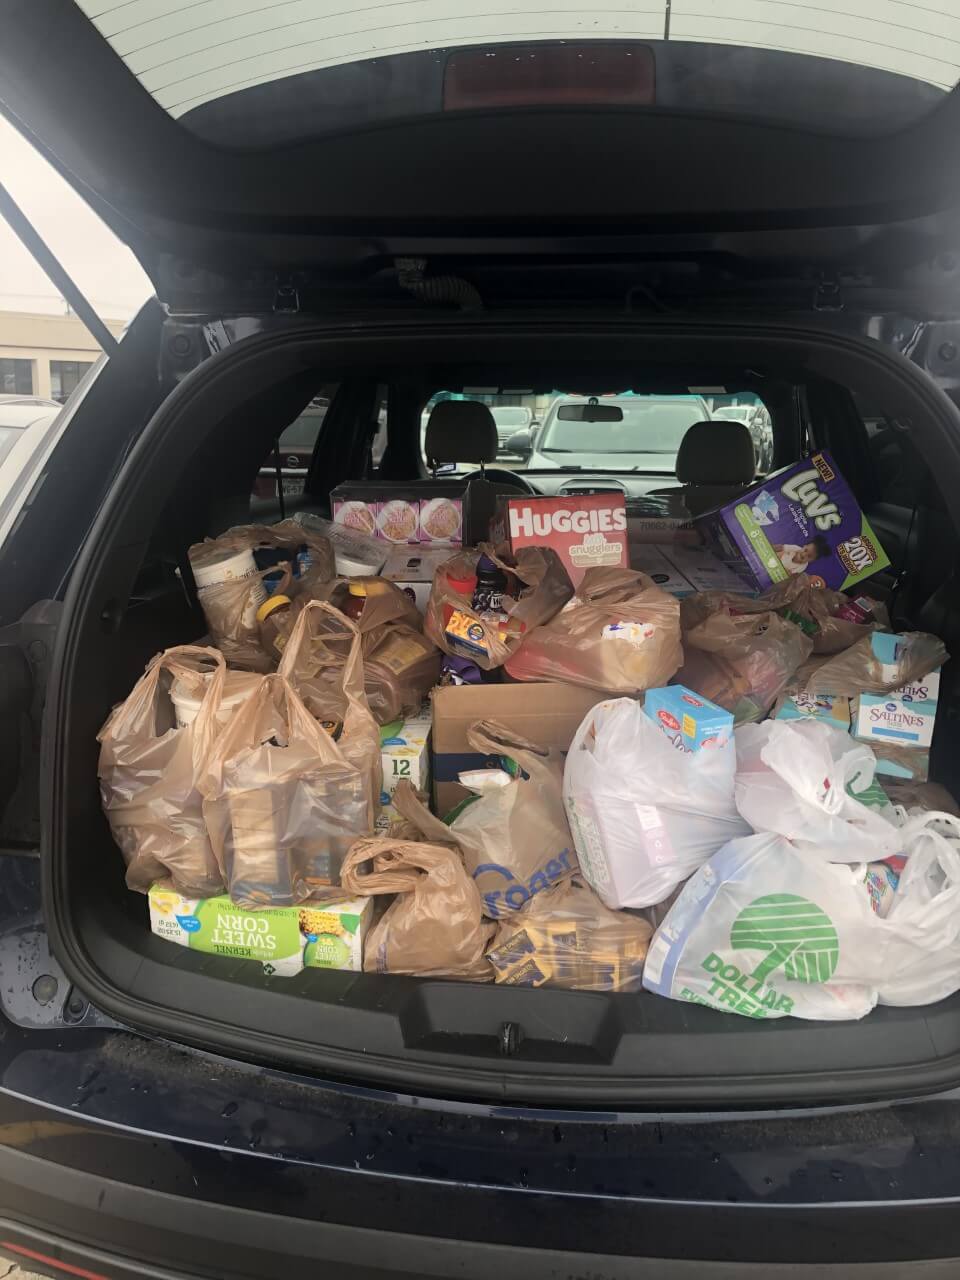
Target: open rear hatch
257, 160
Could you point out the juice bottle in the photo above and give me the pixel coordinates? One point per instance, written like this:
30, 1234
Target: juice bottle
273, 619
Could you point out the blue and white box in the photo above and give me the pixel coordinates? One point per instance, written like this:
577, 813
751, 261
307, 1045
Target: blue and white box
831, 710
689, 721
904, 717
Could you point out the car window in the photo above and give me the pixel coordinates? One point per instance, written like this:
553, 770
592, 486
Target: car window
296, 446
645, 427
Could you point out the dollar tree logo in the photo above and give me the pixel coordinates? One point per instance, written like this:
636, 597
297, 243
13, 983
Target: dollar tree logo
795, 934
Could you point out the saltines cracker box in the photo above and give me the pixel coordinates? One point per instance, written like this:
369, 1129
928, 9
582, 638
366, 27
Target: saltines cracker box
802, 520
587, 532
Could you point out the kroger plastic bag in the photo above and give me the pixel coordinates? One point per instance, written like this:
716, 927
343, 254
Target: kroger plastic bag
858, 670
741, 661
284, 800
538, 586
434, 928
813, 784
765, 931
566, 937
148, 771
644, 815
620, 633
512, 831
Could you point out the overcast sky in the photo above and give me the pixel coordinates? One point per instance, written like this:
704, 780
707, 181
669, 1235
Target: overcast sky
101, 265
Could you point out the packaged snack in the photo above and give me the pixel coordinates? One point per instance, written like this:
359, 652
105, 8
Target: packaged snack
905, 716
804, 520
619, 634
588, 531
690, 722
814, 706
879, 664
428, 512
404, 756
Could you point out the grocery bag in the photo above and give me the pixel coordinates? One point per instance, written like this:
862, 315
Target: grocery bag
400, 664
435, 927
539, 587
813, 784
286, 795
148, 772
512, 831
858, 670
766, 931
566, 937
620, 633
818, 611
643, 814
741, 661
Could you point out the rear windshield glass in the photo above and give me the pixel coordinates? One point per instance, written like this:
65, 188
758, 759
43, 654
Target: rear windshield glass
258, 72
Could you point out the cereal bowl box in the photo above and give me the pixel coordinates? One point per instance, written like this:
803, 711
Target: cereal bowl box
802, 520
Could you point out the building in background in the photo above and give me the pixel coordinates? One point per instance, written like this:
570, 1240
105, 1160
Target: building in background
46, 355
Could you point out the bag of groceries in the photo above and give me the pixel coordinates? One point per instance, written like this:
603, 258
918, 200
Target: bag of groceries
832, 620
293, 781
859, 669
537, 587
767, 931
400, 664
741, 661
512, 830
434, 928
566, 937
232, 585
814, 785
644, 815
620, 633
152, 749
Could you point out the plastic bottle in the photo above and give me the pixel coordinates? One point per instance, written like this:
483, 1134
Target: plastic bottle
355, 602
273, 619
464, 585
491, 584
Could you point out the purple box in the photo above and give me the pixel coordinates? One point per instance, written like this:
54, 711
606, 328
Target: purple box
802, 520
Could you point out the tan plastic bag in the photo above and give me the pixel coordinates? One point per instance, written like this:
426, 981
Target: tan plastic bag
857, 670
400, 665
620, 634
148, 773
743, 662
512, 831
543, 588
283, 800
566, 937
814, 609
434, 928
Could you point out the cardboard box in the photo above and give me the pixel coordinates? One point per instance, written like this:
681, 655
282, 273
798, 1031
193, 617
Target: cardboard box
703, 570
404, 754
651, 560
413, 570
586, 532
904, 717
815, 706
912, 765
689, 721
284, 940
802, 520
429, 512
546, 714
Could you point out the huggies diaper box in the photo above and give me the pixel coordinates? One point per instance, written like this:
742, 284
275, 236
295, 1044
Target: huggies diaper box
802, 520
587, 532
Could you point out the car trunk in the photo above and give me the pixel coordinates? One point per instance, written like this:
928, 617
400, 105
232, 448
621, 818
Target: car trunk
501, 1043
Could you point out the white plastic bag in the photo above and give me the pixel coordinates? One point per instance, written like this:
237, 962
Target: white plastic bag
765, 931
801, 779
643, 814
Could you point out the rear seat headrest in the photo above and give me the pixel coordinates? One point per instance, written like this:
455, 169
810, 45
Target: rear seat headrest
717, 452
460, 431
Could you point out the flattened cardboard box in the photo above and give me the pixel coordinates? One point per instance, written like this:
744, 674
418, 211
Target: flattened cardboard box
546, 714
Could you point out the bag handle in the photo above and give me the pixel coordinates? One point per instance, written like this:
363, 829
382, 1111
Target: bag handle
313, 612
399, 866
408, 804
495, 739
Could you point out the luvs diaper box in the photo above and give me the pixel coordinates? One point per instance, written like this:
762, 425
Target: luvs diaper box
802, 520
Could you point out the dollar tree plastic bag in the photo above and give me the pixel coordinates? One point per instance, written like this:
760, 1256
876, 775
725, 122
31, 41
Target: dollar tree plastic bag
434, 928
512, 832
742, 661
566, 937
644, 815
149, 768
620, 633
765, 931
858, 670
814, 785
286, 795
538, 586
